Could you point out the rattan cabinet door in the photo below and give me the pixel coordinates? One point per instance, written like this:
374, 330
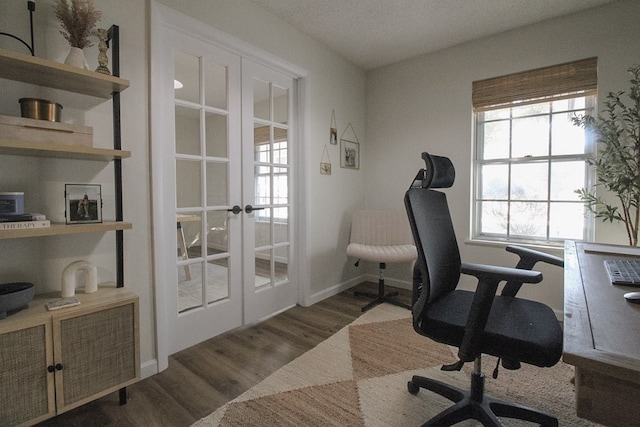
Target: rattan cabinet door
26, 386
98, 352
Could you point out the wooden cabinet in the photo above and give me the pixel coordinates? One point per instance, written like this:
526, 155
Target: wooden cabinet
26, 388
54, 361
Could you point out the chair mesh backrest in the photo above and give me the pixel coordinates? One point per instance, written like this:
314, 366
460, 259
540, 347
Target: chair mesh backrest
380, 228
432, 229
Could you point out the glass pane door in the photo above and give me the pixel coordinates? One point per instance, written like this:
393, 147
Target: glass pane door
206, 161
202, 190
268, 144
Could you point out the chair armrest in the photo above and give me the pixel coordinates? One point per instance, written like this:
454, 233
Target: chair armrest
535, 256
528, 259
494, 272
489, 277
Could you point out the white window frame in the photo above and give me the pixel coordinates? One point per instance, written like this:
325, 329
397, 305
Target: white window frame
476, 206
263, 153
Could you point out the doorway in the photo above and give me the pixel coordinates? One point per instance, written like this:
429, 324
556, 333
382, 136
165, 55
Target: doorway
224, 155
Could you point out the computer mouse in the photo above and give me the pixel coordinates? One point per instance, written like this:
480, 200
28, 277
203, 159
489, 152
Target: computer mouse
633, 297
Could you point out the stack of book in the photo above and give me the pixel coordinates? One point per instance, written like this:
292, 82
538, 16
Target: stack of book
23, 221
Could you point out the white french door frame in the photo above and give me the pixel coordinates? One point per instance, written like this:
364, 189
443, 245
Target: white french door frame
163, 18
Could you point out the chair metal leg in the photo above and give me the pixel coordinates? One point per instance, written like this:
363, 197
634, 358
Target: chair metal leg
474, 404
381, 296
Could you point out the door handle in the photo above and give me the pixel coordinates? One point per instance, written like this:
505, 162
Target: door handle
236, 209
248, 209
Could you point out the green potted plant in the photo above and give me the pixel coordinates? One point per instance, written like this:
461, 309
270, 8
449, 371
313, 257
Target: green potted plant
78, 19
617, 162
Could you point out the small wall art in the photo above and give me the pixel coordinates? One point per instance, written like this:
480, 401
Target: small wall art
325, 162
333, 129
349, 150
83, 203
349, 154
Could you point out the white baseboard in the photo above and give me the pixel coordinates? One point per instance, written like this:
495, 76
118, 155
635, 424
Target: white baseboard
149, 368
334, 290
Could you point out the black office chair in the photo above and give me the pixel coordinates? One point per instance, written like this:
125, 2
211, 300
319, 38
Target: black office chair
513, 329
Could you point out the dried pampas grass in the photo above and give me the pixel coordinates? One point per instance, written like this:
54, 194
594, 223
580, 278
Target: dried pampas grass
78, 19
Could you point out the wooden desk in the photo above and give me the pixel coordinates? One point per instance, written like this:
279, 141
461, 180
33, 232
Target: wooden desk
601, 335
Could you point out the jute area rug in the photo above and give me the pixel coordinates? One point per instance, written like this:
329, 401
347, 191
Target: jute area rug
358, 377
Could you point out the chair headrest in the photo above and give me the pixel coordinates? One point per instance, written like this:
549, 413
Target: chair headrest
438, 172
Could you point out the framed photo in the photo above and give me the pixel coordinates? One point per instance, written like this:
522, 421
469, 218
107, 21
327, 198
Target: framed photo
325, 168
349, 154
333, 136
83, 203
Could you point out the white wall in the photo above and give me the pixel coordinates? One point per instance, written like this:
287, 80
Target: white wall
424, 104
333, 83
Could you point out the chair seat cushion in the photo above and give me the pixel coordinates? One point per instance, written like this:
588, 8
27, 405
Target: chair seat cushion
393, 253
519, 329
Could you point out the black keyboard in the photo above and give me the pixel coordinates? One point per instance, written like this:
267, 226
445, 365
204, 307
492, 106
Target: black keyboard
623, 271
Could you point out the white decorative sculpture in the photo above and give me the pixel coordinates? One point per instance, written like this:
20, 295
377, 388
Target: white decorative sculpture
70, 278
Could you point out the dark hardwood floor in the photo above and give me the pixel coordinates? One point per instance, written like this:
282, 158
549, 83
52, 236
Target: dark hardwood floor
202, 378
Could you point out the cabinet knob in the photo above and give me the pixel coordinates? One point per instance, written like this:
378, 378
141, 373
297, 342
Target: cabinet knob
59, 367
51, 368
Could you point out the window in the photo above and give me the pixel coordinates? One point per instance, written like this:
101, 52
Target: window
266, 173
530, 158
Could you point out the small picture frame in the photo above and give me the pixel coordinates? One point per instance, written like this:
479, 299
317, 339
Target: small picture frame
333, 136
325, 168
349, 154
83, 203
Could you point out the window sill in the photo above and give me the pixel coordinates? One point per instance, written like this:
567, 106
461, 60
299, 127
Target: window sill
553, 248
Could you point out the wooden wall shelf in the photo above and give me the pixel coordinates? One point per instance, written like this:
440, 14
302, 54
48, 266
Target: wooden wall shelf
64, 229
43, 72
53, 346
60, 151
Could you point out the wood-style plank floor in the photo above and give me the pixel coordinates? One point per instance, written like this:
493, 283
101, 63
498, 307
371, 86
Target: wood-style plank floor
202, 378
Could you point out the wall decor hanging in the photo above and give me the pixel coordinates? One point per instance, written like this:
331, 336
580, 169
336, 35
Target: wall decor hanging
325, 167
333, 129
349, 150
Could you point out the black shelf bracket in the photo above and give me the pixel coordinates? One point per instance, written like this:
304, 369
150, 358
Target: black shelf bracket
113, 41
31, 5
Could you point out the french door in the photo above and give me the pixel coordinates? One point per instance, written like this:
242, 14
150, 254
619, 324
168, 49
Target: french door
268, 153
224, 212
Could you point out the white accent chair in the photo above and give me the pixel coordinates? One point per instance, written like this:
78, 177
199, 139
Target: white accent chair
381, 236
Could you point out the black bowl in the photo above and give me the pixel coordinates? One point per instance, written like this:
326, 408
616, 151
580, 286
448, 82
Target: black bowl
15, 297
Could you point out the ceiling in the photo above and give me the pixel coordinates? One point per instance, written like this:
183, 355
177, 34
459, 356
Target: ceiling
373, 33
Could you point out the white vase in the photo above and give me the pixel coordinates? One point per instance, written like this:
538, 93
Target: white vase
76, 58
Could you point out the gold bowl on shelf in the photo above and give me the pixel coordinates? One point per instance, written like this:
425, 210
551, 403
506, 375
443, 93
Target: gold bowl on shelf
40, 109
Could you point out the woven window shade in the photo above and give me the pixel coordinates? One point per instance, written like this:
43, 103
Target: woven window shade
548, 82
